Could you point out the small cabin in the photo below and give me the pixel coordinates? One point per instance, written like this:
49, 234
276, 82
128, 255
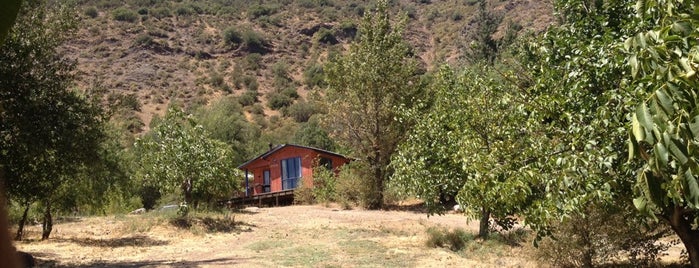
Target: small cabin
282, 168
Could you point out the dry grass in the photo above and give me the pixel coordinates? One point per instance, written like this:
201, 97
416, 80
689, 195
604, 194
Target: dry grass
296, 236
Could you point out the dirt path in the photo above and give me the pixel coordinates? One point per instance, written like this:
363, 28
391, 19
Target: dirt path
296, 236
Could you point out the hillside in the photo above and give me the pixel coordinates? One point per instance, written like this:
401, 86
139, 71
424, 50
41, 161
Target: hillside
268, 53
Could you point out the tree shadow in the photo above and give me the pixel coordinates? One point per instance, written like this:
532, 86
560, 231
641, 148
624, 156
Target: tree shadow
151, 263
213, 225
415, 208
133, 241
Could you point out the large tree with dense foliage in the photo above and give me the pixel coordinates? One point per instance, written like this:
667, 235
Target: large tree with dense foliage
366, 85
179, 155
50, 132
471, 146
664, 133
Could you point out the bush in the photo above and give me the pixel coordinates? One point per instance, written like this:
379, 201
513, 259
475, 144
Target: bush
257, 11
324, 184
325, 36
183, 11
248, 98
276, 101
301, 111
314, 76
443, 238
161, 12
354, 185
216, 80
291, 93
232, 37
252, 61
303, 194
143, 40
123, 14
254, 42
251, 82
91, 12
143, 11
607, 233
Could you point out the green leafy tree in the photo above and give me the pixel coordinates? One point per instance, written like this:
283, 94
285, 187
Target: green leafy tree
365, 86
179, 154
469, 146
664, 134
50, 133
224, 120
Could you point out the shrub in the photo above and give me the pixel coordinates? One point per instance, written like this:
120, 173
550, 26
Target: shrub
607, 233
143, 40
183, 11
303, 194
324, 184
276, 101
91, 12
123, 14
216, 80
252, 61
257, 109
291, 93
443, 238
250, 82
231, 37
301, 111
257, 11
354, 185
142, 11
161, 12
313, 76
325, 36
248, 98
254, 42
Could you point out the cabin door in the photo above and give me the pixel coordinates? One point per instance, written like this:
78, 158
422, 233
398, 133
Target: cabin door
266, 181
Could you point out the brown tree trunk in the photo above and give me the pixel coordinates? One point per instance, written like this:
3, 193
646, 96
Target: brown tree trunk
20, 228
187, 190
689, 237
47, 226
484, 224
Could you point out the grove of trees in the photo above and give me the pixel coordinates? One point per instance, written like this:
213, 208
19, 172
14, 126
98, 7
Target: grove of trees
595, 120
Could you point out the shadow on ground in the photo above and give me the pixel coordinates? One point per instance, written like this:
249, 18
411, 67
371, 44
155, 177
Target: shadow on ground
213, 225
126, 264
132, 241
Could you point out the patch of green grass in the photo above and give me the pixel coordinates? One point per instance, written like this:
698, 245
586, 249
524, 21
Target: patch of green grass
305, 256
266, 245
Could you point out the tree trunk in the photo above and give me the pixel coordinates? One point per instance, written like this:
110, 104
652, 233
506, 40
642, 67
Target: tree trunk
689, 237
483, 228
187, 190
20, 229
47, 226
376, 200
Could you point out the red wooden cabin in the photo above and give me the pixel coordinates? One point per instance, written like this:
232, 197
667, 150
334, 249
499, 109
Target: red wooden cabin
282, 168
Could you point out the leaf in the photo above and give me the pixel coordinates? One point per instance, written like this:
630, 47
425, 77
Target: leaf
637, 130
665, 101
661, 154
692, 188
643, 116
633, 62
694, 126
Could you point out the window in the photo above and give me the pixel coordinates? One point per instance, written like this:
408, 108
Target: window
326, 162
291, 172
266, 182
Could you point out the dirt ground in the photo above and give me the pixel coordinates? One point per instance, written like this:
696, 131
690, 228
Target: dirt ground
295, 236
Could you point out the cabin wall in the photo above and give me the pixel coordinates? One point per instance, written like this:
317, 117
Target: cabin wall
273, 164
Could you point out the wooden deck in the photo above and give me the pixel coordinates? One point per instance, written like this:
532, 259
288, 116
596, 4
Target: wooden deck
285, 197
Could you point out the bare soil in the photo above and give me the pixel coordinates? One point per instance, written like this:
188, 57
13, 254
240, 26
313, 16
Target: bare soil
295, 236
